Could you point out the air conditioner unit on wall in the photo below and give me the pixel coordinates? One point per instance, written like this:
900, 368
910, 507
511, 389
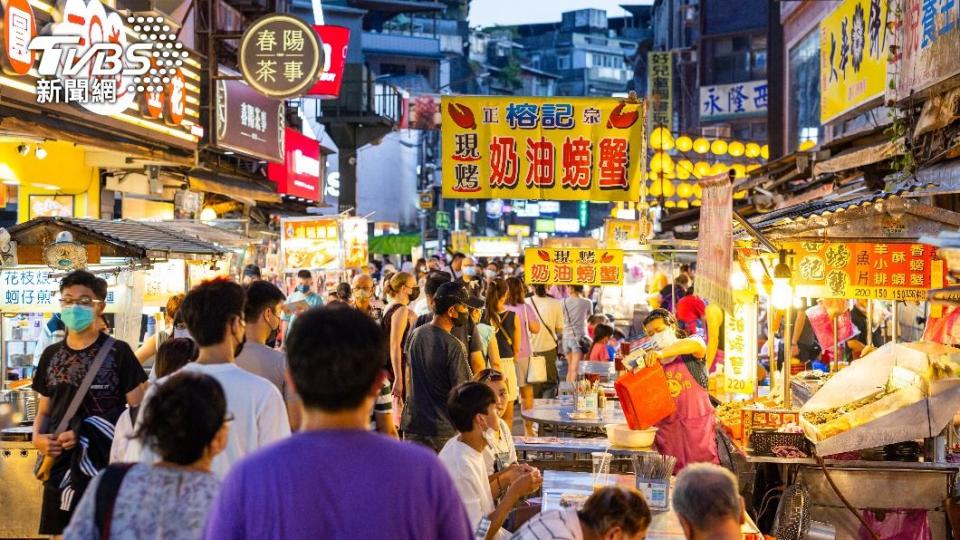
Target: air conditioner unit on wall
688, 56
716, 131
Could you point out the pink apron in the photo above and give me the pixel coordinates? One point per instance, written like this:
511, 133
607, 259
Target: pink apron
689, 434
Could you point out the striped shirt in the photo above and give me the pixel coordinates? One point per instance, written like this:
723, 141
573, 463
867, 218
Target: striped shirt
552, 525
384, 403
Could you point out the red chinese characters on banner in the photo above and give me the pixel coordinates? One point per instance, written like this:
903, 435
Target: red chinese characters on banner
504, 162
540, 154
886, 271
574, 266
614, 161
577, 163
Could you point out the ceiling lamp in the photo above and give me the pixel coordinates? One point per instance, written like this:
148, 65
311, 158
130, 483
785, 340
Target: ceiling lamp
765, 152
736, 148
752, 150
719, 147
701, 145
661, 139
684, 143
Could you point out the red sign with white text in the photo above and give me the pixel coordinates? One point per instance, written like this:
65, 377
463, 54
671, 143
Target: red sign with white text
299, 174
335, 40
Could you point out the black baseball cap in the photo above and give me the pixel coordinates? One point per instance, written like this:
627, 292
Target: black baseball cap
452, 293
251, 270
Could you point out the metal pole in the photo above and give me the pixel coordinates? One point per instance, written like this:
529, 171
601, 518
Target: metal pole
895, 333
771, 341
787, 356
869, 323
673, 285
835, 363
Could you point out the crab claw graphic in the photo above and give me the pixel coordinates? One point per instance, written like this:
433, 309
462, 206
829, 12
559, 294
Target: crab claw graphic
462, 115
620, 120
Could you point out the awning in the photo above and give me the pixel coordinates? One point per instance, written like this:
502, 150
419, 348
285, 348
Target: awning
207, 233
859, 157
393, 244
118, 238
237, 188
940, 179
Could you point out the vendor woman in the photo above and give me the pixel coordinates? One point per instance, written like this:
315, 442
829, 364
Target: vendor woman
689, 433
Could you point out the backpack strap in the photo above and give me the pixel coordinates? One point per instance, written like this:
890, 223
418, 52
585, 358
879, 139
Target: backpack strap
106, 496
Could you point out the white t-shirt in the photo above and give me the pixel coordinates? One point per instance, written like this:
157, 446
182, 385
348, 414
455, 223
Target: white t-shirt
468, 469
260, 416
551, 316
501, 448
552, 525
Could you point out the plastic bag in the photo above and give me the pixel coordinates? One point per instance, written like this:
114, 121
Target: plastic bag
896, 525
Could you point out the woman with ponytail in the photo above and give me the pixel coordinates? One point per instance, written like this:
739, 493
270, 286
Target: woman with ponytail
185, 424
398, 321
507, 335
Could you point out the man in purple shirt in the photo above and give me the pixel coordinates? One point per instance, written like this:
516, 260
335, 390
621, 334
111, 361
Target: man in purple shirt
336, 479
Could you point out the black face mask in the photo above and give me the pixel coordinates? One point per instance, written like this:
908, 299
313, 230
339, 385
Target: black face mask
272, 338
461, 319
414, 293
239, 348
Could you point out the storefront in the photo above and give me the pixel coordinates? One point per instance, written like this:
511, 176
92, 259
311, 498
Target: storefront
62, 134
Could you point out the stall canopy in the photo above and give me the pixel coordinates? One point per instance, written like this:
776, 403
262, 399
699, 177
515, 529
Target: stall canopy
120, 238
240, 189
205, 233
877, 215
394, 244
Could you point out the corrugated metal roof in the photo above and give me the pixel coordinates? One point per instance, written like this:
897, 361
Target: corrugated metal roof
204, 233
149, 239
815, 208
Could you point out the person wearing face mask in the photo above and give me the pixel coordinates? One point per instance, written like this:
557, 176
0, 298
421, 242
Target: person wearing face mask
304, 291
62, 367
490, 272
437, 363
472, 407
262, 314
689, 433
364, 296
214, 314
471, 276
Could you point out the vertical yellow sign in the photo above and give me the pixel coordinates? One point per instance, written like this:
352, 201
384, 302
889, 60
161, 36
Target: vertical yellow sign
740, 343
853, 56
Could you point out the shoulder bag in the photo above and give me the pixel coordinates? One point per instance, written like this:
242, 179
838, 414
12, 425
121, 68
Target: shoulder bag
106, 496
537, 371
42, 471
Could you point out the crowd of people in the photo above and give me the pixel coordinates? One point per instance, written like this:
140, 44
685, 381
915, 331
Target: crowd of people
268, 415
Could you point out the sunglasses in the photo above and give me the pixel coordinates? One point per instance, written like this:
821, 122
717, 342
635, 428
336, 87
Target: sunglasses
489, 375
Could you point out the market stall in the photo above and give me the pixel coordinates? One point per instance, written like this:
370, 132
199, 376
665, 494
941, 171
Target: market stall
331, 246
861, 248
142, 263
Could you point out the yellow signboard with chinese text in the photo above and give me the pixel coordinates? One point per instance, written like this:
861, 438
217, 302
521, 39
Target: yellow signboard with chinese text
883, 271
621, 233
312, 244
518, 230
854, 43
573, 266
740, 345
554, 148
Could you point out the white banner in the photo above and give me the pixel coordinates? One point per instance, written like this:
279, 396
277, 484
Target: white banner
730, 100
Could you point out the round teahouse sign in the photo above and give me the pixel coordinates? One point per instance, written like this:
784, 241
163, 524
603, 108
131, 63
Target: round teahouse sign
281, 56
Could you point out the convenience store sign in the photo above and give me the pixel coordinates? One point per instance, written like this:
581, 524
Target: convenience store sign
880, 271
573, 266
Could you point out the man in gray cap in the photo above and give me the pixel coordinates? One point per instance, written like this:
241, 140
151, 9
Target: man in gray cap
436, 363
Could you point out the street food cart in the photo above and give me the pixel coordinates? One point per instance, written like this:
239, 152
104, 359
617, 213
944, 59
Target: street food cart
331, 246
863, 247
142, 263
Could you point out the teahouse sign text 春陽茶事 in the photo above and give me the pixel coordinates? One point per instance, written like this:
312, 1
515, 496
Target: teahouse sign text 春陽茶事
281, 56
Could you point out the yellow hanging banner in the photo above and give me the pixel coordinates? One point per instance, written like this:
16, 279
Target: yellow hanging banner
554, 148
740, 345
854, 43
573, 266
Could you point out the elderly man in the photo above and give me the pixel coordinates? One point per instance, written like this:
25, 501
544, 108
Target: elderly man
708, 504
364, 296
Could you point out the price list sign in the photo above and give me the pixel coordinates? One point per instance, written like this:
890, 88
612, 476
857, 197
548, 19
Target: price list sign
881, 271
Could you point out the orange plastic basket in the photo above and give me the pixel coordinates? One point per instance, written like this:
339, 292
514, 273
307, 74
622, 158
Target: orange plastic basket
645, 397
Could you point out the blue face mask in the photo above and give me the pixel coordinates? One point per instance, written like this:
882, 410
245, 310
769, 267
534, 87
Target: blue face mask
303, 288
77, 318
470, 271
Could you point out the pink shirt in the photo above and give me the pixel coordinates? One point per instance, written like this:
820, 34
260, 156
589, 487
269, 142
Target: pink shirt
525, 314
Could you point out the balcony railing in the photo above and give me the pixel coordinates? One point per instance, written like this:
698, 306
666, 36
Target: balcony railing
362, 99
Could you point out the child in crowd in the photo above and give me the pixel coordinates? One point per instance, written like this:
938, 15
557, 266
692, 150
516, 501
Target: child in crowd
502, 452
601, 335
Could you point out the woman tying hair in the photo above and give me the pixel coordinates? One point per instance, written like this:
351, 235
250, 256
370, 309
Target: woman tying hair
689, 433
398, 320
186, 425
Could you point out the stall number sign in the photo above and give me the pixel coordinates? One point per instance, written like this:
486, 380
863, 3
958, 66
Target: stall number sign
573, 266
542, 148
33, 290
281, 56
740, 352
884, 271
